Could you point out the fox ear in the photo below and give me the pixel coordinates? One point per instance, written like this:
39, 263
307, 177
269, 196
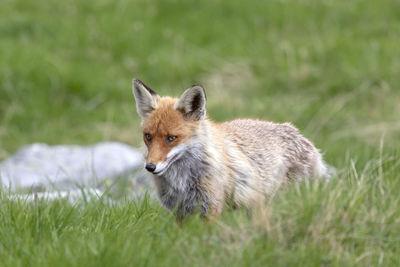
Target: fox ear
192, 103
145, 98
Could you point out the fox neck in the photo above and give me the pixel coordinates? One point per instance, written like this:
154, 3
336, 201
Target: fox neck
179, 184
184, 172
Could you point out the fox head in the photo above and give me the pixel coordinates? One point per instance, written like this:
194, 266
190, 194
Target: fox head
168, 123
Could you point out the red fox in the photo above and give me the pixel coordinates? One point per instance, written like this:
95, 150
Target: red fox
199, 164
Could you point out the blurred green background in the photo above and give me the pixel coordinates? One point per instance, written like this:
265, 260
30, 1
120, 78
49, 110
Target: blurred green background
330, 67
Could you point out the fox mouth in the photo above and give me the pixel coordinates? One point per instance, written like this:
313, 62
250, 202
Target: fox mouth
172, 160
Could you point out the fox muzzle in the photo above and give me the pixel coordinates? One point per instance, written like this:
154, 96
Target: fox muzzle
150, 167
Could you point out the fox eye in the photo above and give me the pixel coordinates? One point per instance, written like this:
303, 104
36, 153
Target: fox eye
171, 138
148, 137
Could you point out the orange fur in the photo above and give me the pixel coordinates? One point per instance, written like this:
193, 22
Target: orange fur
163, 122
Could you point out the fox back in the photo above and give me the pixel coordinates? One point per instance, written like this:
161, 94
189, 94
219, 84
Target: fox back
198, 164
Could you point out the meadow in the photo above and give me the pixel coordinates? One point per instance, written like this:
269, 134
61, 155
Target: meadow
332, 68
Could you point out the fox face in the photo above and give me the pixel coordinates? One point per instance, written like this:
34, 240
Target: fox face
169, 124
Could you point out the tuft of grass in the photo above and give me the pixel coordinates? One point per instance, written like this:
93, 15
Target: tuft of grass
351, 220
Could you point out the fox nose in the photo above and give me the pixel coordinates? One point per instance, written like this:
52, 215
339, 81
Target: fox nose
150, 167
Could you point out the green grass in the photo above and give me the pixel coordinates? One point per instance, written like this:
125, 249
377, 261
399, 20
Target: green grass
351, 221
330, 67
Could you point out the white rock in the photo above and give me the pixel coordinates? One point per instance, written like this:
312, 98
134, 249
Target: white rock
68, 166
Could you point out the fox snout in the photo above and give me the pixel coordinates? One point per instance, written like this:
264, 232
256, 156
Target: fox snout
150, 167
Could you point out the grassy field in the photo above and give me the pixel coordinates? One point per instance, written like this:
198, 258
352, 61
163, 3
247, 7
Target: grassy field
330, 67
